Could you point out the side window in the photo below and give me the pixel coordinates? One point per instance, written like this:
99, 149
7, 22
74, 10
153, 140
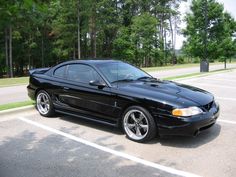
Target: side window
60, 72
82, 73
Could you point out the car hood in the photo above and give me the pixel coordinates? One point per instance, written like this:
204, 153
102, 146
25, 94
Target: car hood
167, 91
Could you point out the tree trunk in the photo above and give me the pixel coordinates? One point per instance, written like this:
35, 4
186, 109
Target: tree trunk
85, 46
42, 49
10, 51
172, 41
7, 52
93, 32
29, 60
161, 38
175, 32
78, 20
95, 42
225, 63
74, 51
93, 39
165, 47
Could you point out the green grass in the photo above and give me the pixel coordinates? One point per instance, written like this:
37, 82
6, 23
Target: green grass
178, 66
197, 74
13, 81
16, 105
159, 68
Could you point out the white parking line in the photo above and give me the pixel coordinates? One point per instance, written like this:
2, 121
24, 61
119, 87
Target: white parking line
227, 121
111, 151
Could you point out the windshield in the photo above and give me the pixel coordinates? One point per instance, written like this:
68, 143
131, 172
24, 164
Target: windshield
119, 71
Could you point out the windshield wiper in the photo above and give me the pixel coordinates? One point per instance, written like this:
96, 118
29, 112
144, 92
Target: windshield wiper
123, 80
146, 78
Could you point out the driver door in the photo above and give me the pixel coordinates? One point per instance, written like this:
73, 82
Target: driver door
85, 98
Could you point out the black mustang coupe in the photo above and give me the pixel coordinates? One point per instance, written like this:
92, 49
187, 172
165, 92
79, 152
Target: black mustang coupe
116, 93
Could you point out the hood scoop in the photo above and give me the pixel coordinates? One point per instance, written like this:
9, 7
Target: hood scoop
154, 85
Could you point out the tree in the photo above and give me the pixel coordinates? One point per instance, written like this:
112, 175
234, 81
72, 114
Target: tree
217, 34
42, 33
64, 28
124, 47
8, 13
143, 30
227, 46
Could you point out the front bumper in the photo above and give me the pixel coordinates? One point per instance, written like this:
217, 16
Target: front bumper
187, 126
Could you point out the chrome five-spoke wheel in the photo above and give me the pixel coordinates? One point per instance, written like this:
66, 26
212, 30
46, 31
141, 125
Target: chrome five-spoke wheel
43, 103
138, 124
135, 124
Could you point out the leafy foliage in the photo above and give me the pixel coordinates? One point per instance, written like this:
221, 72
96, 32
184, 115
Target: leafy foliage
141, 32
219, 34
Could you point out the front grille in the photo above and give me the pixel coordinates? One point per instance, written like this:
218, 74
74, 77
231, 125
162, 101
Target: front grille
209, 106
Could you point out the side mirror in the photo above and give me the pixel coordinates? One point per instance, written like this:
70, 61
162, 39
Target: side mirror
97, 83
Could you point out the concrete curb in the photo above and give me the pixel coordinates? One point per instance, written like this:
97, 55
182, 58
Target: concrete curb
21, 109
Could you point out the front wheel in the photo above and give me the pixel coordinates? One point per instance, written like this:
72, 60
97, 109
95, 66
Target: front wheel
139, 124
44, 104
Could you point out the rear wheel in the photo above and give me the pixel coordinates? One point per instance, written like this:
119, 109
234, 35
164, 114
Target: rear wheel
44, 104
139, 124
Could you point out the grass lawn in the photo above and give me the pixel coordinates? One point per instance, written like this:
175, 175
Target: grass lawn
197, 74
159, 68
16, 105
13, 81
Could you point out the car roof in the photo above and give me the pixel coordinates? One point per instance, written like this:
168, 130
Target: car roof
91, 61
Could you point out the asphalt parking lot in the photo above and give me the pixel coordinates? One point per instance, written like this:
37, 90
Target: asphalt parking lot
31, 145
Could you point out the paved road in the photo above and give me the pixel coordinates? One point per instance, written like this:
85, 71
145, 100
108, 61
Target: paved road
37, 146
13, 94
19, 93
183, 71
31, 152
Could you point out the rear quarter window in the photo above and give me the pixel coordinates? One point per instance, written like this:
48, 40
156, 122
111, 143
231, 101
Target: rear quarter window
60, 72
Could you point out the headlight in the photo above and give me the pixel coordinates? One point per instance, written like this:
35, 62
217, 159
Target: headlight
191, 111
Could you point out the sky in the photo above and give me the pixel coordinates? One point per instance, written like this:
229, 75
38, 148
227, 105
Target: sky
229, 6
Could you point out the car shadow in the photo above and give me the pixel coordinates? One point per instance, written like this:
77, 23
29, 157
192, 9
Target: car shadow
51, 155
204, 137
92, 124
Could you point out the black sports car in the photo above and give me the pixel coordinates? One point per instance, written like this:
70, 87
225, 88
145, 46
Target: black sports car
117, 93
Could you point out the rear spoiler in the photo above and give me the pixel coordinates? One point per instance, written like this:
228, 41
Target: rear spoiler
38, 71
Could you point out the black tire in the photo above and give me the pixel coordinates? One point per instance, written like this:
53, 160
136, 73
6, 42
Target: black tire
147, 121
39, 106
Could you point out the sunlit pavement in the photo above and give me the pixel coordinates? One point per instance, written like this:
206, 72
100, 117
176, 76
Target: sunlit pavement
13, 94
31, 145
